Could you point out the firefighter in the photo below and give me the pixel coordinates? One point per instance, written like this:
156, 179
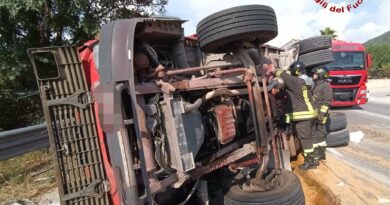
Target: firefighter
323, 95
275, 86
276, 89
300, 111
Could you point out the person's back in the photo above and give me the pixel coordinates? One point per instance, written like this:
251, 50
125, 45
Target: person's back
300, 111
299, 98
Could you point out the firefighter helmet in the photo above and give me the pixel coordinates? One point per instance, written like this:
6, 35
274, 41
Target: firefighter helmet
297, 68
322, 72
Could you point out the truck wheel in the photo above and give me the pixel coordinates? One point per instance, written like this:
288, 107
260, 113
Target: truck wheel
245, 23
288, 192
314, 44
317, 58
337, 121
337, 138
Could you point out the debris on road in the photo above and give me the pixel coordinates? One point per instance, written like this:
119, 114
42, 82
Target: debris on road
384, 200
356, 137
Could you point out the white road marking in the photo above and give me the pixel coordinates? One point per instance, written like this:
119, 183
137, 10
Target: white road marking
385, 100
334, 152
373, 114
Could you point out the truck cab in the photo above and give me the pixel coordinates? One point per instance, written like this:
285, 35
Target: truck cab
349, 73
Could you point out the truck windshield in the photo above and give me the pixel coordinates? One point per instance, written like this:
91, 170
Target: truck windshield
347, 61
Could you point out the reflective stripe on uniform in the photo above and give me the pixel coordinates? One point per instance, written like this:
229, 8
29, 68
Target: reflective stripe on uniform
307, 151
324, 109
288, 118
306, 98
321, 144
304, 115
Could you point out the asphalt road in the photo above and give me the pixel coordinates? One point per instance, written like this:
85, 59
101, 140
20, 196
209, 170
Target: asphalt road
376, 113
370, 157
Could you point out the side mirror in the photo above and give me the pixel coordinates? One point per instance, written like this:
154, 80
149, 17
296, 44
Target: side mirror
369, 61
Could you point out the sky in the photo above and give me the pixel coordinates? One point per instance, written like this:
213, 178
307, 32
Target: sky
298, 19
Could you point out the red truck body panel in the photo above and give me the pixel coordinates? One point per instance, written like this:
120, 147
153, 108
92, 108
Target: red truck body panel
92, 78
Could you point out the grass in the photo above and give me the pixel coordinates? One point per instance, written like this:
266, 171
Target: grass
26, 176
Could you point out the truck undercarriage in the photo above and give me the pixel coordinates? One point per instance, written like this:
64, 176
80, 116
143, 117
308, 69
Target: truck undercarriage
142, 116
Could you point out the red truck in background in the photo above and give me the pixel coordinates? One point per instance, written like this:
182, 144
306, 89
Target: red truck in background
349, 73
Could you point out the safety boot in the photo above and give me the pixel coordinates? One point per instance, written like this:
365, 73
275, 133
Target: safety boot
321, 152
310, 161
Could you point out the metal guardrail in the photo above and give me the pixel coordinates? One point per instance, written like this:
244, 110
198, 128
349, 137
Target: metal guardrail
19, 141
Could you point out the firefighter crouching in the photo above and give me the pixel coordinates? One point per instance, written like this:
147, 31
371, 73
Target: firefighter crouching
277, 97
300, 111
323, 94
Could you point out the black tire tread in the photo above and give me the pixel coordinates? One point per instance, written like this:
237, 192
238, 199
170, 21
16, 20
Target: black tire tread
291, 194
314, 44
228, 13
337, 138
229, 17
248, 23
317, 58
337, 121
250, 20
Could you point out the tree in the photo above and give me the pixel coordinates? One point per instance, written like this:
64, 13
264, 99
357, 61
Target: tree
380, 54
38, 23
328, 32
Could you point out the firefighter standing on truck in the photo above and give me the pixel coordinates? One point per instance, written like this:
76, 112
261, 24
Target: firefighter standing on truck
300, 111
323, 95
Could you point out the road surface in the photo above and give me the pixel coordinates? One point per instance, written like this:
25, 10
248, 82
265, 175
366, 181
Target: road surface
364, 168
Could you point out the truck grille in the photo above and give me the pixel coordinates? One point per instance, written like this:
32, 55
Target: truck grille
345, 80
344, 95
71, 127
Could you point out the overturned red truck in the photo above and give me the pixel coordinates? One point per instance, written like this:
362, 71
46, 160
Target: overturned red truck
143, 116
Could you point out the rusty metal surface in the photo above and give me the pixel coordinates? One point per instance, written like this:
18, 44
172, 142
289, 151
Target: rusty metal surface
146, 139
241, 165
163, 184
197, 69
224, 161
257, 103
198, 84
226, 127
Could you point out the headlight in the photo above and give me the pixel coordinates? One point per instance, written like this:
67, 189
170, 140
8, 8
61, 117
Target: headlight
363, 92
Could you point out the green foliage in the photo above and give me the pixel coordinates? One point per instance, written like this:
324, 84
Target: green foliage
38, 23
328, 32
383, 39
380, 55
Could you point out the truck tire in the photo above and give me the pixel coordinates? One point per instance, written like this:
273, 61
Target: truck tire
337, 121
337, 138
316, 58
314, 44
288, 192
246, 23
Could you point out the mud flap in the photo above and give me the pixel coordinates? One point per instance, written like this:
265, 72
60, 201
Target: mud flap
69, 115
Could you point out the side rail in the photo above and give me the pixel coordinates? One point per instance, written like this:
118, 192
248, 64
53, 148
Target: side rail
20, 141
